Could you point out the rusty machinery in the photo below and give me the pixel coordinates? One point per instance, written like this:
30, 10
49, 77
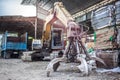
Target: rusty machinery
75, 50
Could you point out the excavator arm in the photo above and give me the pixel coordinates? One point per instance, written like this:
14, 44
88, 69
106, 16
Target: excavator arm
58, 13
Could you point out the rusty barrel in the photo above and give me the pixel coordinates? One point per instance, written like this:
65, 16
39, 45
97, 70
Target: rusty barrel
109, 57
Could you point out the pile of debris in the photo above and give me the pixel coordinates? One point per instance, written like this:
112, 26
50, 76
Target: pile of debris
105, 22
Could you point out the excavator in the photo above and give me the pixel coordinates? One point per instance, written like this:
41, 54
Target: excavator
54, 36
75, 50
69, 28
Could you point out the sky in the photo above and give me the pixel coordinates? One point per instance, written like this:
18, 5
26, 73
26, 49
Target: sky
14, 7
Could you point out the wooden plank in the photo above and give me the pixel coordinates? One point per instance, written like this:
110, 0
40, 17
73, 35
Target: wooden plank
105, 29
102, 38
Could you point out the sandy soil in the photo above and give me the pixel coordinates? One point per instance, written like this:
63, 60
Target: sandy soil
16, 69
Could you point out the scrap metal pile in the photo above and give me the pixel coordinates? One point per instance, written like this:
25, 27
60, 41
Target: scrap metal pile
106, 24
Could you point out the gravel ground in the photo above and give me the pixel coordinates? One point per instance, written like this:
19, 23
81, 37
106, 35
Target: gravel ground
16, 69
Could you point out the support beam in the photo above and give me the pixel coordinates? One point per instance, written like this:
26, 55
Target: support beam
96, 6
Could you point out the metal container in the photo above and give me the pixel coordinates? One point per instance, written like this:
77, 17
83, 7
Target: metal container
109, 57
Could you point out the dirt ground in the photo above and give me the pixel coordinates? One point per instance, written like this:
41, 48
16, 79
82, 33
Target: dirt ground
16, 69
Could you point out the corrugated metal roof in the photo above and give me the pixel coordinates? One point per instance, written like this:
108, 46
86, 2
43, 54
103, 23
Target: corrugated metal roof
72, 6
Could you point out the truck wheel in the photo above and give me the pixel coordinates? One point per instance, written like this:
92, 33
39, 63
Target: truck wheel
2, 54
20, 54
7, 56
42, 57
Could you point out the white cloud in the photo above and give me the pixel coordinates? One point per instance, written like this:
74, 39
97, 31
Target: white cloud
13, 7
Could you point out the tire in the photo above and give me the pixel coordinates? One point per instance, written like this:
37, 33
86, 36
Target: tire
20, 54
42, 57
2, 54
7, 56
